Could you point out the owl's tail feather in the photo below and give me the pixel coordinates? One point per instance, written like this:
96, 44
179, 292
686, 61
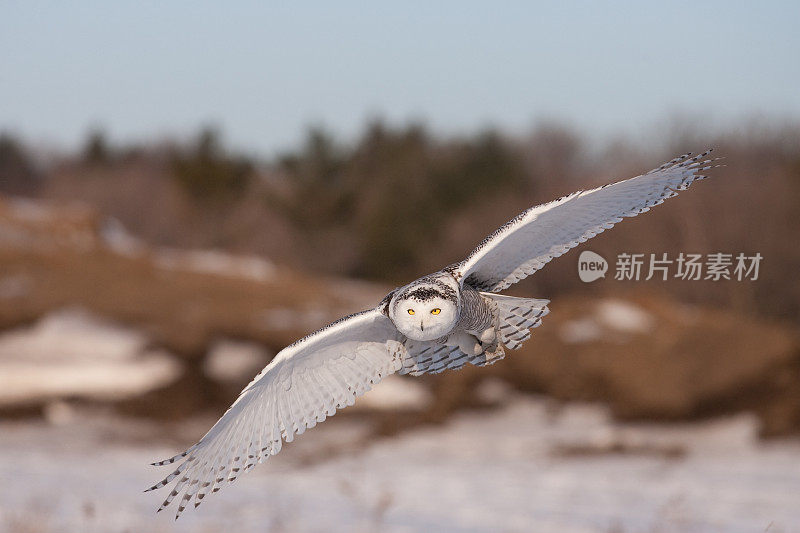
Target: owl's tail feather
516, 317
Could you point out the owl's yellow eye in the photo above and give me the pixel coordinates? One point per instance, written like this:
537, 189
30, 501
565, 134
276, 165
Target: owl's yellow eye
410, 311
436, 311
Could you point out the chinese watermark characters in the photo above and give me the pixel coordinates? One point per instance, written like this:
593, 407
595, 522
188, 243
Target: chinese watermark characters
685, 266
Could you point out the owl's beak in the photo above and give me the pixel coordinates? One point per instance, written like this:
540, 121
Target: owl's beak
421, 326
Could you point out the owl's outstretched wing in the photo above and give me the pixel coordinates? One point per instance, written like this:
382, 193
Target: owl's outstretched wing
304, 383
526, 243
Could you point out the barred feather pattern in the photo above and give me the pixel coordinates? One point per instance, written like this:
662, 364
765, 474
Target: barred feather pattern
303, 385
433, 358
532, 239
516, 317
477, 312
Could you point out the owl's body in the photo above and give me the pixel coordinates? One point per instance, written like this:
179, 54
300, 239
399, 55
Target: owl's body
439, 311
441, 321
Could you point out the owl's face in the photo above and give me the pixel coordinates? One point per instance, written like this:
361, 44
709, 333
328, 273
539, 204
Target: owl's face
423, 314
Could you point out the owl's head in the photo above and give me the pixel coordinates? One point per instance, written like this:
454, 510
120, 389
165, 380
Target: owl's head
424, 311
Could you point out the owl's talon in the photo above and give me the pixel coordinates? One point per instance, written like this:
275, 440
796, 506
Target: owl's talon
466, 343
488, 336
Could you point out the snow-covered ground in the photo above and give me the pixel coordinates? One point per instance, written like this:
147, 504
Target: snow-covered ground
71, 353
609, 316
529, 466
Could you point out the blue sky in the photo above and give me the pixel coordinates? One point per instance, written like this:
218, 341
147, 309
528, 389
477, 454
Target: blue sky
264, 72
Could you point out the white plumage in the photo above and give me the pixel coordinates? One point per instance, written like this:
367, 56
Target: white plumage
327, 370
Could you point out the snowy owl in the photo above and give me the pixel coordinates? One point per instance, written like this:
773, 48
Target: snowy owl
440, 321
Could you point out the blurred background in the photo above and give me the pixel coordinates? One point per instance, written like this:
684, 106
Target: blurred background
187, 188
